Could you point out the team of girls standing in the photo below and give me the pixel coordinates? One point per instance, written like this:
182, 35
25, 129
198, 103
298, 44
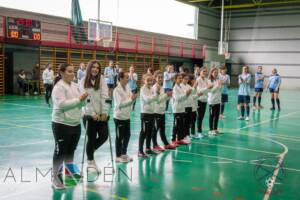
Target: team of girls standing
189, 97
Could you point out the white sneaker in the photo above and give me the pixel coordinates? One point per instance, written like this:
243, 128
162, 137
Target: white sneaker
211, 133
241, 118
126, 157
121, 160
92, 164
57, 183
247, 118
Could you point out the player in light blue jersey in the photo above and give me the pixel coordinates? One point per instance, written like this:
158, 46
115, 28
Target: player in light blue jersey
169, 76
259, 87
224, 77
244, 93
274, 85
110, 74
132, 83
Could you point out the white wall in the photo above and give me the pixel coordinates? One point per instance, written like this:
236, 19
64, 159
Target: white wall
270, 38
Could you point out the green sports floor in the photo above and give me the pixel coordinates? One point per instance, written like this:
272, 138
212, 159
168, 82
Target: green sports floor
238, 165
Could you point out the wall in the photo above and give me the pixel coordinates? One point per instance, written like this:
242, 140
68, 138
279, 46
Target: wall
269, 37
23, 60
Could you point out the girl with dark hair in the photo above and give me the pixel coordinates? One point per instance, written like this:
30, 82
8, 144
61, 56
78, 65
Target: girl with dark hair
96, 110
214, 101
123, 100
160, 116
66, 116
48, 77
180, 95
202, 91
149, 96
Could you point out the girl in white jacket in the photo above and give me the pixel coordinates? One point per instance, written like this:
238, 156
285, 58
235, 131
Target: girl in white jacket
202, 92
96, 110
123, 100
149, 97
214, 100
179, 96
159, 110
66, 115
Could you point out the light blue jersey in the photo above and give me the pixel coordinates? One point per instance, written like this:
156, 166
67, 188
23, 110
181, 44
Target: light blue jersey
244, 82
274, 81
132, 81
259, 83
109, 74
168, 82
80, 74
226, 79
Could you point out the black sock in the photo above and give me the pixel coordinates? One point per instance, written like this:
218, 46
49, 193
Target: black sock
278, 103
248, 110
273, 103
259, 101
243, 111
254, 100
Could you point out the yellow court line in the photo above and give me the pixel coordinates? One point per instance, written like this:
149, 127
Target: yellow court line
232, 147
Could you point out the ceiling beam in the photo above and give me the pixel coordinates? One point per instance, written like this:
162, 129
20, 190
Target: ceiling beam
258, 4
198, 1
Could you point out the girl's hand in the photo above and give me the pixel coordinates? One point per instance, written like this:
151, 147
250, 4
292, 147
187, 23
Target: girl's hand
83, 96
103, 117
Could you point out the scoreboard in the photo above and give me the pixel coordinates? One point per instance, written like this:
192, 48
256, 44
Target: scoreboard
20, 28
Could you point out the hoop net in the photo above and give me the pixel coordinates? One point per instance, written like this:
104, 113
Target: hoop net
99, 30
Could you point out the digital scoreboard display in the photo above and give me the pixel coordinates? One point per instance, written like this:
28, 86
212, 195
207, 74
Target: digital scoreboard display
20, 28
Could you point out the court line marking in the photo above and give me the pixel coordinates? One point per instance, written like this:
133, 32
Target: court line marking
11, 109
241, 148
267, 121
29, 106
281, 156
222, 162
22, 126
24, 144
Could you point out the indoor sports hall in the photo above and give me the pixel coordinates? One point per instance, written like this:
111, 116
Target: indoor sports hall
246, 148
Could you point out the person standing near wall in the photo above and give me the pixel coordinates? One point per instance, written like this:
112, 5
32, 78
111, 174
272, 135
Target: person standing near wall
274, 85
81, 72
259, 87
244, 93
133, 77
48, 77
169, 77
110, 74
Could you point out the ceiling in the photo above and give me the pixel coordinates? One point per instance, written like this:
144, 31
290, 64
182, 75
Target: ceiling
241, 4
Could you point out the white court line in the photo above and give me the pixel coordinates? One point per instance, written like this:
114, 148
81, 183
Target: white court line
186, 161
16, 104
22, 126
11, 109
281, 156
232, 147
222, 162
24, 144
267, 121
